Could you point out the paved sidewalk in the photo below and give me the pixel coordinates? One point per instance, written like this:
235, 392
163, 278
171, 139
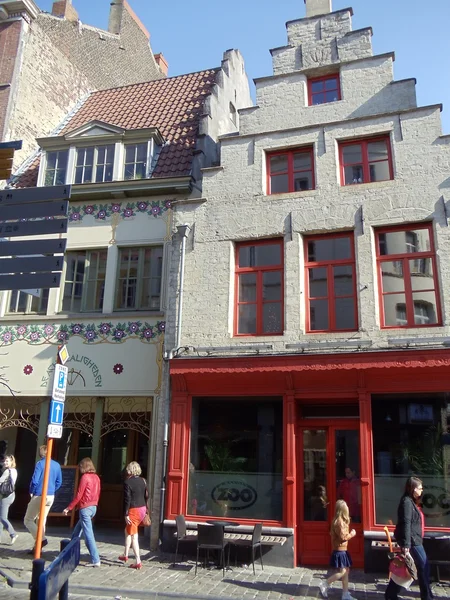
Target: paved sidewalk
158, 579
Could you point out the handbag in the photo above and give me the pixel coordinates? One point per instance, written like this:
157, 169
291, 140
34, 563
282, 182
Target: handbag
398, 567
146, 521
7, 486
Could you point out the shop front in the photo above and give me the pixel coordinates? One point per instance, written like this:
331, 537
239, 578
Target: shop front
280, 439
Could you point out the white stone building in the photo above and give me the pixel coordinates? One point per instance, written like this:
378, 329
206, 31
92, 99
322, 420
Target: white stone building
131, 153
311, 358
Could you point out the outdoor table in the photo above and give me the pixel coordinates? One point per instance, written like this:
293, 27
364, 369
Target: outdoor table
224, 524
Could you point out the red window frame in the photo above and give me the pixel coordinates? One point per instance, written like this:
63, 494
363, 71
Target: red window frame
259, 270
363, 142
323, 79
405, 257
331, 295
290, 172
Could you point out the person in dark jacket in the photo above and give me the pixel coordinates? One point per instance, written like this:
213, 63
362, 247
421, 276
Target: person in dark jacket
87, 498
136, 498
409, 536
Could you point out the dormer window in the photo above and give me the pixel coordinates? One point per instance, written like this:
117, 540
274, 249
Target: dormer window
136, 161
94, 164
99, 153
55, 173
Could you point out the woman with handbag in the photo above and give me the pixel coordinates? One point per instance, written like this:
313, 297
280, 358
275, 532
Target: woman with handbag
136, 498
7, 495
409, 536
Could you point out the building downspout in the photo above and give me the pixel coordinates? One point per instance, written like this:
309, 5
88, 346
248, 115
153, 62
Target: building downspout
184, 231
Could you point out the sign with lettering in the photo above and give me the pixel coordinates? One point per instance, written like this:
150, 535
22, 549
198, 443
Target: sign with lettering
35, 194
60, 383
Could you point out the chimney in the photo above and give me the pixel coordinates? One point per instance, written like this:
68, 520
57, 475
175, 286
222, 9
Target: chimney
64, 10
317, 7
162, 63
115, 16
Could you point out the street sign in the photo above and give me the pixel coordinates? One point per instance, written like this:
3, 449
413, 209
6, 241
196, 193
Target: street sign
31, 264
63, 355
60, 383
54, 431
29, 280
33, 211
35, 194
42, 227
58, 572
56, 412
27, 247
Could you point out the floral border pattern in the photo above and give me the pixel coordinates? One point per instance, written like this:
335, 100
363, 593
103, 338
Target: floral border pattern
91, 333
102, 212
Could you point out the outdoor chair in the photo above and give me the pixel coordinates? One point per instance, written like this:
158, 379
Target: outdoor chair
181, 534
211, 537
254, 543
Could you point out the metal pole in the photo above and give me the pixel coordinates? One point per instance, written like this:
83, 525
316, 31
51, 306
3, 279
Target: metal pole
48, 458
38, 569
64, 591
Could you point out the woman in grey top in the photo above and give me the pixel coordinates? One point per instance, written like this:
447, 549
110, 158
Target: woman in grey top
6, 501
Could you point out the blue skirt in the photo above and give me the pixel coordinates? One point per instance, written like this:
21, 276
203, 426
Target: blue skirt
340, 559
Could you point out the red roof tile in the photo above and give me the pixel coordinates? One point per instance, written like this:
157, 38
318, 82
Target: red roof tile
173, 105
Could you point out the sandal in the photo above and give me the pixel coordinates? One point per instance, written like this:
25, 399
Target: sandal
136, 566
123, 558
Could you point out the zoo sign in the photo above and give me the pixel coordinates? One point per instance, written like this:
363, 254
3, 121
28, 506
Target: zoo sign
238, 495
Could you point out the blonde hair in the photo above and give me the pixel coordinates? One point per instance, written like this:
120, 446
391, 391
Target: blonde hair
341, 513
133, 468
12, 459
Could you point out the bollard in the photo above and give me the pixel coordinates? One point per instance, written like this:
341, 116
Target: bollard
38, 568
64, 591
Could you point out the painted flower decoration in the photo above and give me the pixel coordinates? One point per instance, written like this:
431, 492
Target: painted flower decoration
105, 328
128, 212
63, 335
118, 334
161, 326
34, 336
168, 204
118, 368
90, 334
148, 333
77, 328
49, 330
75, 216
142, 206
89, 210
28, 369
101, 215
21, 330
156, 210
115, 207
133, 327
7, 337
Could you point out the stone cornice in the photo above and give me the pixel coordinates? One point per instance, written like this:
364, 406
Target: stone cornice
11, 9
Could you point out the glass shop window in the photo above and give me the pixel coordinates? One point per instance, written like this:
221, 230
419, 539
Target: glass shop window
411, 436
236, 458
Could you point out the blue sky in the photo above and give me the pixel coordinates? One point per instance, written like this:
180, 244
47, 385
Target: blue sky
193, 34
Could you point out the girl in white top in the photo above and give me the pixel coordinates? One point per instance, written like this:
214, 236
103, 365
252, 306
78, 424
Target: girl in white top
6, 501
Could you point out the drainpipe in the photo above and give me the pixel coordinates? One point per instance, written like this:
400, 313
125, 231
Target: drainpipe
183, 231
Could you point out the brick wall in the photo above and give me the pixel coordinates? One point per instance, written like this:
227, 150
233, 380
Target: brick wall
9, 47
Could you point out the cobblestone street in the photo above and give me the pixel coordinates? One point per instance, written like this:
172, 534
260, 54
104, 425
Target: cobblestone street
159, 579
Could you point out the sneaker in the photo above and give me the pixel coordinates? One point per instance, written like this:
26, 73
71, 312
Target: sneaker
44, 542
94, 565
323, 586
14, 538
347, 596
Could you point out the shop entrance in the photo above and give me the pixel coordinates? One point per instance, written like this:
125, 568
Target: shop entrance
329, 469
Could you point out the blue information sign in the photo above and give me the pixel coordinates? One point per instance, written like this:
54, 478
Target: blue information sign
56, 412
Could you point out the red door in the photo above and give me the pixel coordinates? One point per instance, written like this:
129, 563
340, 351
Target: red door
329, 470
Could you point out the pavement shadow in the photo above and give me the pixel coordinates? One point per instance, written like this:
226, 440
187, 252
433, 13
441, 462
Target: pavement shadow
290, 589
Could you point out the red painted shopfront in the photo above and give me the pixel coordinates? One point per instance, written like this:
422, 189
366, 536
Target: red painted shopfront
303, 430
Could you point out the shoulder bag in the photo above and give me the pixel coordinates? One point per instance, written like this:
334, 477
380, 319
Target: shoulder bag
7, 486
146, 521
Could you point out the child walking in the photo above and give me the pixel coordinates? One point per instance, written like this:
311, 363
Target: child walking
340, 558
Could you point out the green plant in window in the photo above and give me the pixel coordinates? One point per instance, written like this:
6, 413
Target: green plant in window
424, 453
221, 457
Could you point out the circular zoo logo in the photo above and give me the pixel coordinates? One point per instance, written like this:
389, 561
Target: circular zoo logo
436, 503
237, 494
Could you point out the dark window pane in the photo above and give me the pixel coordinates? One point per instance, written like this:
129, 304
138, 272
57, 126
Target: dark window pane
302, 161
247, 287
377, 150
303, 181
345, 313
317, 86
78, 174
263, 255
318, 310
60, 177
352, 154
279, 163
331, 84
272, 285
331, 96
140, 171
328, 248
343, 281
141, 153
315, 504
318, 99
51, 160
130, 153
279, 184
353, 175
87, 175
318, 284
247, 318
89, 156
129, 171
80, 157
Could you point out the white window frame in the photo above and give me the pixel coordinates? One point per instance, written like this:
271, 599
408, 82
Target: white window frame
148, 159
94, 163
27, 311
45, 166
86, 279
140, 278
